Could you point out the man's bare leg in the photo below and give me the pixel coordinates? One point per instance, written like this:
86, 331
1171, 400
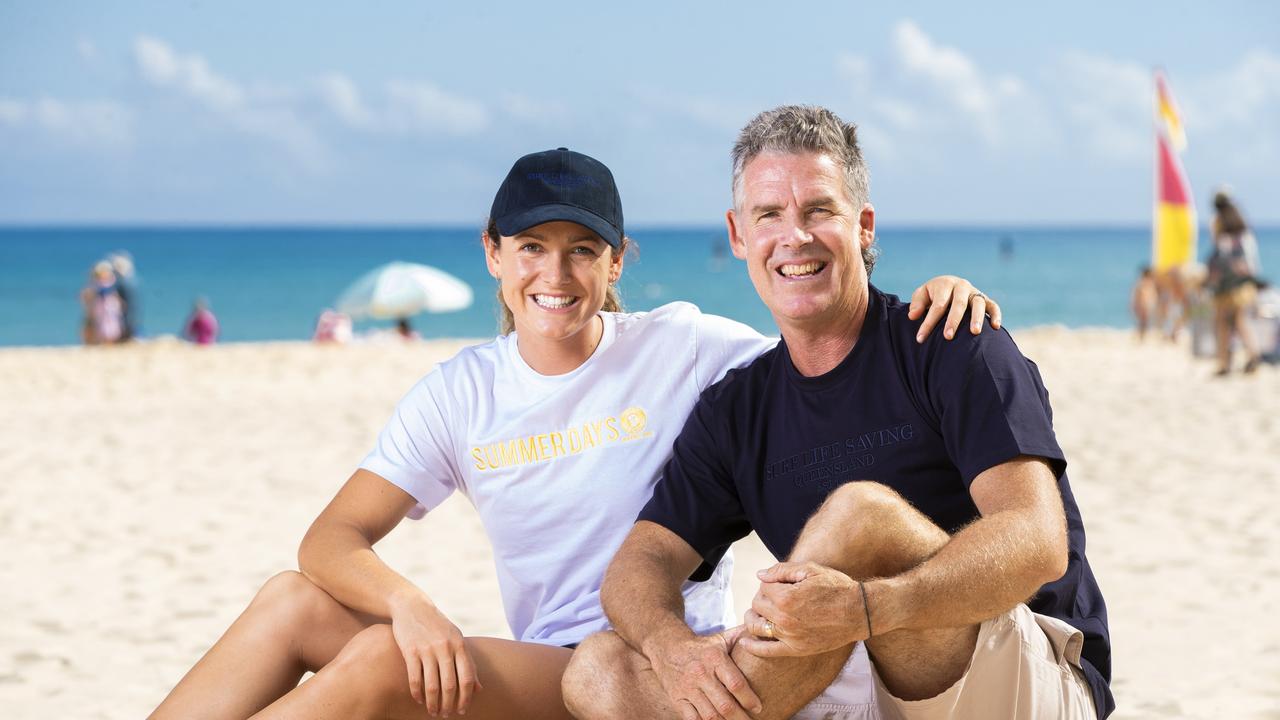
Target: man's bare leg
291, 627
368, 679
611, 680
863, 529
867, 530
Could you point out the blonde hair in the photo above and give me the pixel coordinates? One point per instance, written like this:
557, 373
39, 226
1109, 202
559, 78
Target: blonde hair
507, 321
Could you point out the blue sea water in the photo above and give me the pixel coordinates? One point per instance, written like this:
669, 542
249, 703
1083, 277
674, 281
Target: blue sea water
271, 283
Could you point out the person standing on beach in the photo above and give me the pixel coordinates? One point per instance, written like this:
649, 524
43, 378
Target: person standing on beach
555, 431
1233, 271
127, 288
103, 309
1143, 299
915, 496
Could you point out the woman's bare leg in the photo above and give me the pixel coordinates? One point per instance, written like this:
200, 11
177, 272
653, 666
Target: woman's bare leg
368, 679
1244, 328
1222, 327
291, 627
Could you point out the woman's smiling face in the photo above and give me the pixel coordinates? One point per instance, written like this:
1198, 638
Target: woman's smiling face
554, 278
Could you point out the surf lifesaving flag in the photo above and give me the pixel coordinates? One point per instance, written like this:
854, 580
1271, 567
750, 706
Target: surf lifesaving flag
1174, 227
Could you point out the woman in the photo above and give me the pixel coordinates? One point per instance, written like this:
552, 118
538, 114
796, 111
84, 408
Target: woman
1233, 270
103, 310
555, 432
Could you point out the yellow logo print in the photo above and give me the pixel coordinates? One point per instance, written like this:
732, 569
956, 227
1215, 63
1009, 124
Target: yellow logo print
628, 425
633, 421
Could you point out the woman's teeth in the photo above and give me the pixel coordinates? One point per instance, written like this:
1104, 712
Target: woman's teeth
554, 302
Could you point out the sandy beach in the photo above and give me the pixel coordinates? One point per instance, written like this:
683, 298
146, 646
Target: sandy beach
149, 491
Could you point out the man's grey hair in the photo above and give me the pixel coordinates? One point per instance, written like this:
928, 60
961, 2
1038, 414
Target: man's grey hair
795, 129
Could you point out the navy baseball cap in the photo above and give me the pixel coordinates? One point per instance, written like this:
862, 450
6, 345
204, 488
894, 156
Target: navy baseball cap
559, 184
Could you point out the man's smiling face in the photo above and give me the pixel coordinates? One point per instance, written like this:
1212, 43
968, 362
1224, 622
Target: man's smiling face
802, 238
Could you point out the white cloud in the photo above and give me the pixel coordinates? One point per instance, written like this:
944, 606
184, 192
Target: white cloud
189, 74
898, 113
87, 50
104, 124
856, 69
423, 107
406, 108
1107, 104
264, 114
532, 110
714, 113
951, 70
342, 97
956, 84
12, 112
1239, 97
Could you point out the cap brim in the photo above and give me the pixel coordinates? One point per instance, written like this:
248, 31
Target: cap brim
519, 222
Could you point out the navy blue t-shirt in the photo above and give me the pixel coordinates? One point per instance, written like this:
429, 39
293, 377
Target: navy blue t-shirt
764, 447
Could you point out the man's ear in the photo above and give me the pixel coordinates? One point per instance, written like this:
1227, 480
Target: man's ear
866, 226
736, 243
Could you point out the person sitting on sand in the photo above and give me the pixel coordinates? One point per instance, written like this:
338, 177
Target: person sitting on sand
555, 431
931, 555
201, 326
406, 331
332, 327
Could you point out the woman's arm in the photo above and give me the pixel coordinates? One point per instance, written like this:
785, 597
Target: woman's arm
337, 555
951, 296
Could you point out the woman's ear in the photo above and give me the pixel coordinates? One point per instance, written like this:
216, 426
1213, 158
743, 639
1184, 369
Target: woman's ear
492, 257
616, 262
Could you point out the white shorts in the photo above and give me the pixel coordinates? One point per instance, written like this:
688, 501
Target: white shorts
1025, 666
851, 697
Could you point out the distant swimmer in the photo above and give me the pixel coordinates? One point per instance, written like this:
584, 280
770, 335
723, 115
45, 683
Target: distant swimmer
1006, 247
719, 254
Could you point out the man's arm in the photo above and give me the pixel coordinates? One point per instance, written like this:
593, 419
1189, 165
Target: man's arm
996, 562
641, 595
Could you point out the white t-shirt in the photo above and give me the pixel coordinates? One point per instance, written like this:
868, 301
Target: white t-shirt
559, 466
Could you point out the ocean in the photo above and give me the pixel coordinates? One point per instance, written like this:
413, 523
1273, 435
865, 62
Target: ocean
271, 283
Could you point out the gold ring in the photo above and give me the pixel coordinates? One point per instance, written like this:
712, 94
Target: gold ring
768, 629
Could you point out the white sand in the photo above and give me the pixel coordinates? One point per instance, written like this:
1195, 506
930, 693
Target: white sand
148, 491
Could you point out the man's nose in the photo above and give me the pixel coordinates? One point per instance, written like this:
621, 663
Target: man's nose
795, 235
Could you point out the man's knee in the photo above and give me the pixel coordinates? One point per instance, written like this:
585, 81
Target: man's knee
592, 682
884, 532
862, 500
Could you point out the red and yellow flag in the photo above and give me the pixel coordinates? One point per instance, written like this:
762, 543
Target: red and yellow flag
1168, 115
1174, 227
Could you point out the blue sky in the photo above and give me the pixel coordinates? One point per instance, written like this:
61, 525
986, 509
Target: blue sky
411, 112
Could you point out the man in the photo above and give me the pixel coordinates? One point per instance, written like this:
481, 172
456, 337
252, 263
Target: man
916, 490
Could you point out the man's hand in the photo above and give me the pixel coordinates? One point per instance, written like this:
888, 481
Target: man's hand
951, 295
803, 609
442, 675
701, 680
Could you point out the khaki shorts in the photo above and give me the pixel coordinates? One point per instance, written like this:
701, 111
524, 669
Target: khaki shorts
1025, 666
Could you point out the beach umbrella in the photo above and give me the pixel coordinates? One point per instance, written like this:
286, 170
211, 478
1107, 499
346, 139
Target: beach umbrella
401, 289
